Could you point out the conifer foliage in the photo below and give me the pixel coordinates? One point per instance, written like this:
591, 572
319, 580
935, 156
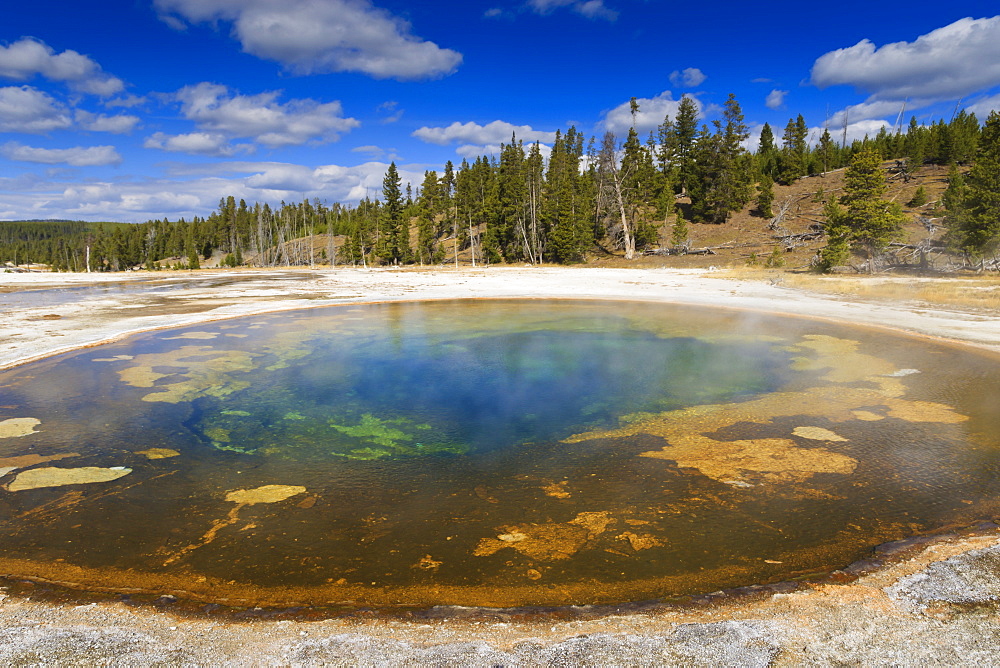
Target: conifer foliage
868, 222
974, 201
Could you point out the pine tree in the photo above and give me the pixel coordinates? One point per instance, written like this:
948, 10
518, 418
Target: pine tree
919, 198
826, 151
394, 230
838, 245
428, 204
915, 144
679, 232
684, 141
794, 150
725, 168
563, 210
869, 222
974, 202
767, 153
765, 197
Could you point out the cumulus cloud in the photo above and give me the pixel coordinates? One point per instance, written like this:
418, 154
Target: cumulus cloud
316, 36
982, 108
953, 61
652, 111
261, 117
78, 156
194, 190
855, 131
493, 133
874, 109
27, 109
198, 143
688, 78
775, 99
592, 9
28, 58
116, 125
124, 201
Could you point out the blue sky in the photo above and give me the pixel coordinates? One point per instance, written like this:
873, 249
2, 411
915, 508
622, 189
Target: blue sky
137, 109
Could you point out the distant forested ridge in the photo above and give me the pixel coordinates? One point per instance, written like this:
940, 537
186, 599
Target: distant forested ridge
58, 243
607, 194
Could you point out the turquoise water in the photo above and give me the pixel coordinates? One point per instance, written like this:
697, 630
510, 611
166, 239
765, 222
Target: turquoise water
486, 453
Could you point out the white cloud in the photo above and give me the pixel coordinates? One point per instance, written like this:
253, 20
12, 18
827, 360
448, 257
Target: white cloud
956, 60
128, 102
78, 156
855, 131
261, 117
983, 107
198, 143
652, 111
493, 133
116, 125
775, 99
876, 109
493, 13
125, 201
377, 152
473, 151
392, 108
592, 9
315, 36
688, 78
194, 190
27, 109
27, 58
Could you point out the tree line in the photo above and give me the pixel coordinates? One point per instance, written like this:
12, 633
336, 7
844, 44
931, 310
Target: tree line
613, 193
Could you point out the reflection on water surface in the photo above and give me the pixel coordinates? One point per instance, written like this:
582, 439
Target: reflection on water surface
486, 453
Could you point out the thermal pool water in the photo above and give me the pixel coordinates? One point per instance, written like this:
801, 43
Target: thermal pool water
486, 453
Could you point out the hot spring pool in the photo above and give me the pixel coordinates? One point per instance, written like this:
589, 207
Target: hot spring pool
486, 453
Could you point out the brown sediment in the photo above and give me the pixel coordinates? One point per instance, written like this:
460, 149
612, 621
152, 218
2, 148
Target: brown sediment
242, 498
21, 461
507, 593
640, 541
551, 541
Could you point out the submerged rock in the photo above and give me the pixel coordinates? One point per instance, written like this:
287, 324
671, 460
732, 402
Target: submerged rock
265, 494
158, 453
817, 434
57, 477
14, 427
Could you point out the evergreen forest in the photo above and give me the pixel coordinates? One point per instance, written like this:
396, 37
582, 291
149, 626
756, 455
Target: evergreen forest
612, 195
